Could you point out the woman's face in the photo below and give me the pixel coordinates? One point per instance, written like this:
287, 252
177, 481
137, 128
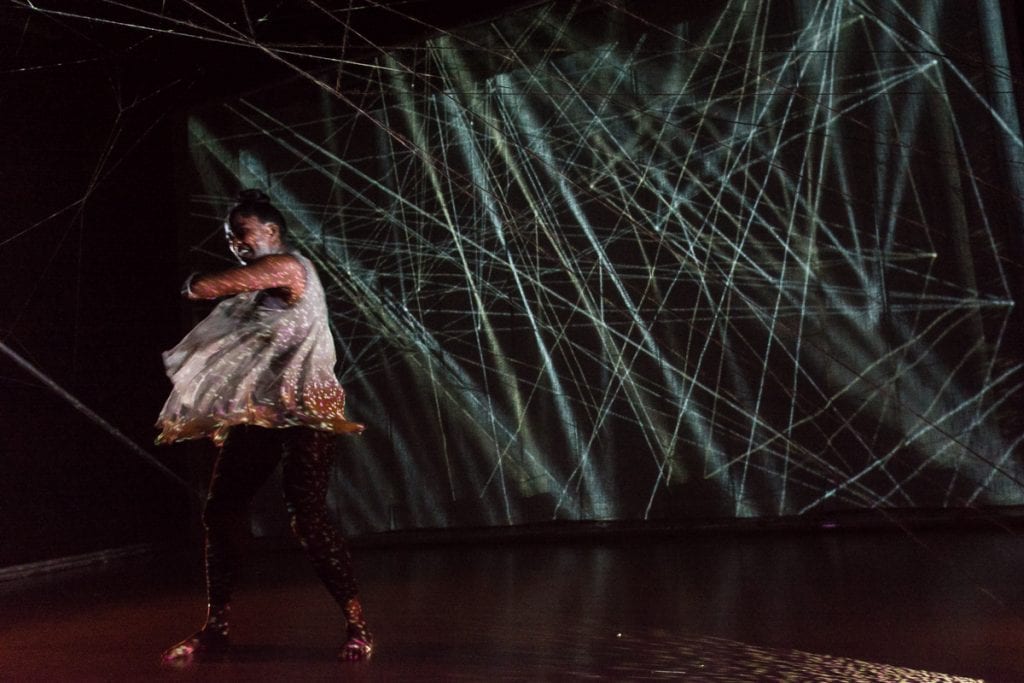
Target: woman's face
249, 238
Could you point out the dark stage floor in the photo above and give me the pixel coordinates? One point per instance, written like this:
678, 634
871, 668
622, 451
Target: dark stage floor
800, 606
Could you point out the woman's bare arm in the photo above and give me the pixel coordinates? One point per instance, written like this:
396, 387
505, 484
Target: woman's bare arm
276, 271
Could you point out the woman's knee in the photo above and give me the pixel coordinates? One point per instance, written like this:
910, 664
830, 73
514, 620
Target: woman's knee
220, 516
309, 523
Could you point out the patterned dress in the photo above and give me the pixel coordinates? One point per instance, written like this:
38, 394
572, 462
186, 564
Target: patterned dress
254, 360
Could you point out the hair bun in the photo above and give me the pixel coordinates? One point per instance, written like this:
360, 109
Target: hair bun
253, 196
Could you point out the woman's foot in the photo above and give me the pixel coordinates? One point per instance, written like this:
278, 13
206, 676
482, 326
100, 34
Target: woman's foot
358, 642
358, 646
210, 641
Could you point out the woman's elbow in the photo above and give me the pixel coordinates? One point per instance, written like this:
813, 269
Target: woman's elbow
197, 288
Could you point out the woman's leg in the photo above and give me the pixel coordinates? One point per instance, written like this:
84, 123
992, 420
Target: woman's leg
308, 456
246, 460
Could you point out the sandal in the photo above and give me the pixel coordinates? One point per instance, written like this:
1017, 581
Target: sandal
205, 643
358, 648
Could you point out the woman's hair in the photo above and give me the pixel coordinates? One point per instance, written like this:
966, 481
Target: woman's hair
256, 203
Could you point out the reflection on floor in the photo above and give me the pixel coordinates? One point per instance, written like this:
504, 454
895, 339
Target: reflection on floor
870, 606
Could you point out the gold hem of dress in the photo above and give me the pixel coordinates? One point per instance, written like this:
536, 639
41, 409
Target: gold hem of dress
217, 428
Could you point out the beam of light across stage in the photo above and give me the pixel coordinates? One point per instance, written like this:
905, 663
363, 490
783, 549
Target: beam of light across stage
586, 264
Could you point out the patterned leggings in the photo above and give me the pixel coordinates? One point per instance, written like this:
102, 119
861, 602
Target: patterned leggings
246, 461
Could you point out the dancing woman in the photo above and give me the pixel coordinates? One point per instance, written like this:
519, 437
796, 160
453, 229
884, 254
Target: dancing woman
257, 377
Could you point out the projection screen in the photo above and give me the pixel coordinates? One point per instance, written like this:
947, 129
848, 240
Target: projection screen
593, 262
